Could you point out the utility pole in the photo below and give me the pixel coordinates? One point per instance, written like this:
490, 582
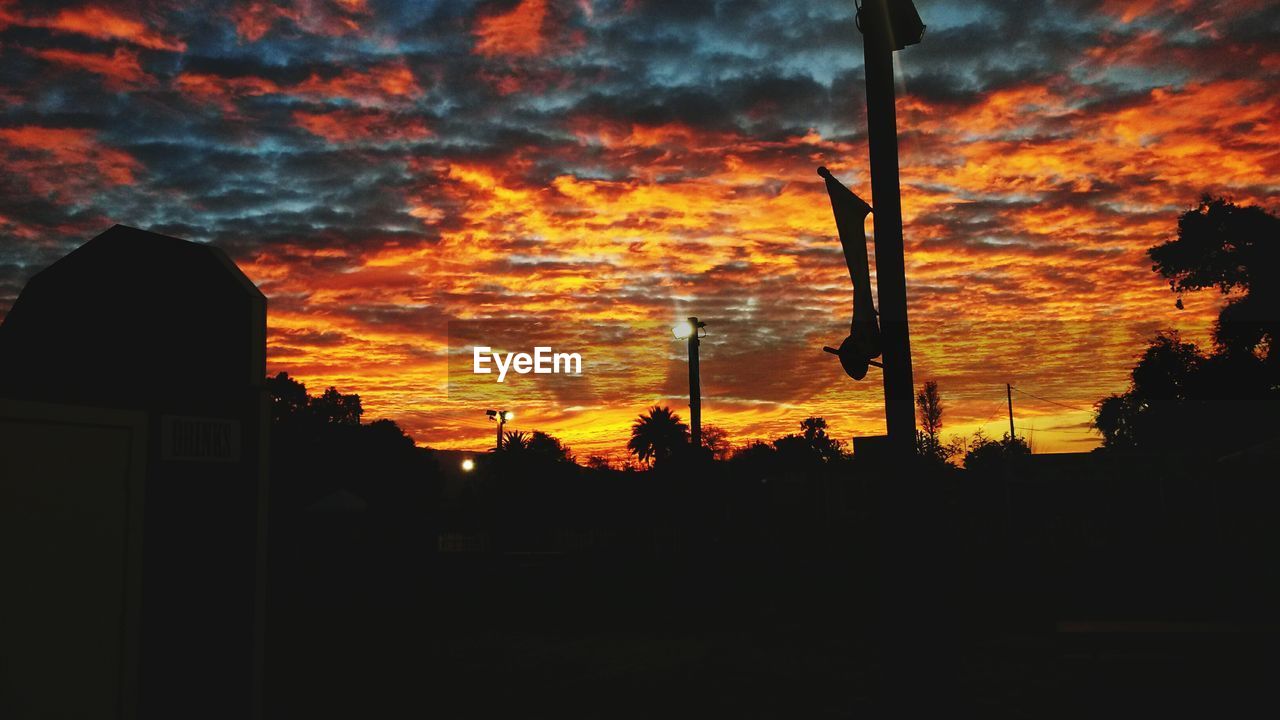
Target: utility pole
1008, 392
887, 26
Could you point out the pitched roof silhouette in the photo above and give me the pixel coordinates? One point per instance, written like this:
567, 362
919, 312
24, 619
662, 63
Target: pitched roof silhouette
129, 319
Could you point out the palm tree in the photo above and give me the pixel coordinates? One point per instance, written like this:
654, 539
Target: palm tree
515, 440
657, 436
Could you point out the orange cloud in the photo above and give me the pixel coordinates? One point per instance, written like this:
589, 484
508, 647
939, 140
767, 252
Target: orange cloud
377, 86
516, 33
106, 24
254, 19
343, 126
224, 91
1130, 10
372, 86
63, 163
120, 69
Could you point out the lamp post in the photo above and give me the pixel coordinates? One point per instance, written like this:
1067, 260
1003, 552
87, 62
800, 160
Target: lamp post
692, 329
501, 416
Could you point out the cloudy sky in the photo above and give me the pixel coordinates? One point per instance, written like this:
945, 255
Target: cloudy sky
600, 168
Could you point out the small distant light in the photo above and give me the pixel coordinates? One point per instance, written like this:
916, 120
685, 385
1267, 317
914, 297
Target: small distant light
682, 330
468, 465
508, 416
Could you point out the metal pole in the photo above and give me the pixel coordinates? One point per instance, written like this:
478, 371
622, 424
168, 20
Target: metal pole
1008, 391
501, 421
695, 388
882, 138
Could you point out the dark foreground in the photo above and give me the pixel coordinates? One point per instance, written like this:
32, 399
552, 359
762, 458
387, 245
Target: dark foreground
529, 646
1058, 588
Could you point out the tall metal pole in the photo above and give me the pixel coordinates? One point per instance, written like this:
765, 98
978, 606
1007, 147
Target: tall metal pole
882, 137
501, 421
1008, 391
695, 388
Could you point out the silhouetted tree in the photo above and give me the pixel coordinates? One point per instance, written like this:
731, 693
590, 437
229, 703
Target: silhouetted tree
1237, 250
825, 447
319, 446
929, 437
388, 434
757, 460
1182, 399
288, 397
545, 446
335, 407
986, 455
795, 452
599, 462
812, 446
753, 452
716, 441
657, 436
1150, 411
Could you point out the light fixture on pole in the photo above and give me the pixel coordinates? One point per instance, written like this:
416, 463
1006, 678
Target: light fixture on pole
501, 417
692, 329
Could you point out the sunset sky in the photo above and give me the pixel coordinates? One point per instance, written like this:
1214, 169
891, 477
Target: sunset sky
606, 167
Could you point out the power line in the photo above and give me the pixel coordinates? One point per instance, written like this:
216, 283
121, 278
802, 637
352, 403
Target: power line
1053, 429
994, 413
1052, 402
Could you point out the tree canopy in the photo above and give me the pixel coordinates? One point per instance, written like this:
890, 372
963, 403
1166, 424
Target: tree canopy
1182, 398
657, 436
1236, 250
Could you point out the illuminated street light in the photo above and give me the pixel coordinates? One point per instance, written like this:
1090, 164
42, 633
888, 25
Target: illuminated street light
501, 416
683, 330
468, 465
691, 330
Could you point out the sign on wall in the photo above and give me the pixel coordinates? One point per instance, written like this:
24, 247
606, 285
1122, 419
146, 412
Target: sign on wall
198, 439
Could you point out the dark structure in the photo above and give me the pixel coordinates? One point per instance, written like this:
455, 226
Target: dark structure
166, 339
887, 26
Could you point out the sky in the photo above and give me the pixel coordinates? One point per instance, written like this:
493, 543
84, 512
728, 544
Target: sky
598, 169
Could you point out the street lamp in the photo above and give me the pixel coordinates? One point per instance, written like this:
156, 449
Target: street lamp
897, 21
692, 329
468, 465
501, 416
